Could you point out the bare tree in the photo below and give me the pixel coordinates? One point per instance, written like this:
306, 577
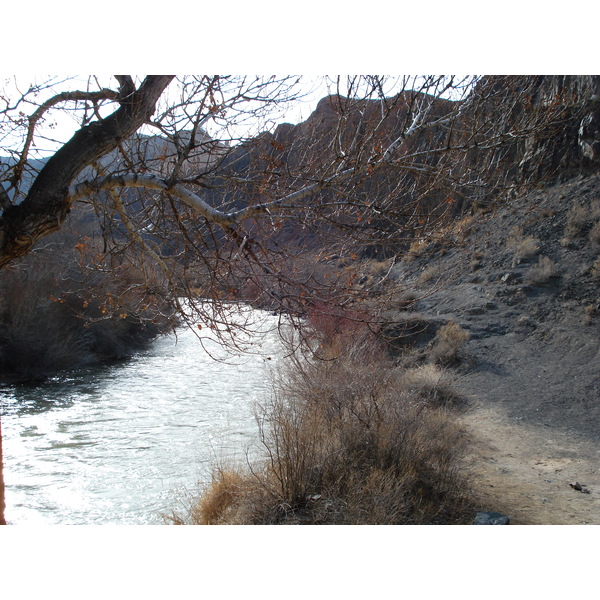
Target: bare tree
212, 191
372, 146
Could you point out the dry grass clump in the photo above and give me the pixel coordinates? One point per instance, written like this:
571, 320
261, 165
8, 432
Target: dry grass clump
447, 344
406, 299
379, 268
464, 227
542, 272
589, 312
349, 441
476, 259
429, 273
524, 247
417, 248
217, 502
578, 219
595, 270
430, 384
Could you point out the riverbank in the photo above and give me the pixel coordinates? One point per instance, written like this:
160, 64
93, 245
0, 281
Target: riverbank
60, 312
355, 438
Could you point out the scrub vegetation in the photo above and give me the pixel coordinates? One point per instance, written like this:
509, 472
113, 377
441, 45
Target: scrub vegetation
352, 440
68, 311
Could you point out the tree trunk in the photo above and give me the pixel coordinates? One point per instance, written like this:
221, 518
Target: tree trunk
47, 203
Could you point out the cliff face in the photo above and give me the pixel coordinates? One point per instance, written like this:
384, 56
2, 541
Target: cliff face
560, 118
511, 134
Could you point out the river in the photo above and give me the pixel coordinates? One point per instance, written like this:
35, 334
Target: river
129, 443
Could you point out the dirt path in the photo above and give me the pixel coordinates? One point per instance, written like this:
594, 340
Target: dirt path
524, 471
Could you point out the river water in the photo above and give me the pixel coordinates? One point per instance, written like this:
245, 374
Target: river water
129, 443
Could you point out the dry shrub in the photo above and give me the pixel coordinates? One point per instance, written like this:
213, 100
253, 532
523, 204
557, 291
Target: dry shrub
348, 442
476, 259
577, 219
58, 313
335, 327
402, 299
417, 248
429, 273
464, 227
448, 341
542, 272
219, 501
379, 268
589, 312
595, 270
523, 246
430, 384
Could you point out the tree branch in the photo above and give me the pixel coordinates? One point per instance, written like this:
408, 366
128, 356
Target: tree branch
151, 182
104, 94
126, 86
47, 202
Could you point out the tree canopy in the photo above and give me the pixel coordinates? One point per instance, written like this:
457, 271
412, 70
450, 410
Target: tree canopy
203, 178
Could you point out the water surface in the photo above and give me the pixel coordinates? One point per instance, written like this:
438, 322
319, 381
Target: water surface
128, 443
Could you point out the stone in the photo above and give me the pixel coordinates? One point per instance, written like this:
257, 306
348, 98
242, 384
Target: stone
491, 518
475, 310
511, 278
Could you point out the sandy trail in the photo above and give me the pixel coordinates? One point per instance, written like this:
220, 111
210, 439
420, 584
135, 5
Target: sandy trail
525, 470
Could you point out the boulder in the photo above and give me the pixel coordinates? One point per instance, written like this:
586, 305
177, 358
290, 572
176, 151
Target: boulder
491, 518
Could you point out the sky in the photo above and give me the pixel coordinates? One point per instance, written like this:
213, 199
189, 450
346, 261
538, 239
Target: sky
61, 122
312, 37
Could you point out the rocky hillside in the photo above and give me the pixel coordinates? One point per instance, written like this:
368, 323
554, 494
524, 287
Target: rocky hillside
523, 279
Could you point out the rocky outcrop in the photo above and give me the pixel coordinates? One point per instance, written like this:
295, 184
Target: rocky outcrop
559, 118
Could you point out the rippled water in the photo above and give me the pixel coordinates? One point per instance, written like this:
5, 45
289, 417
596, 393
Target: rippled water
127, 443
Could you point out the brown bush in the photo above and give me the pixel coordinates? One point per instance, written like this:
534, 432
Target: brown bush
430, 272
577, 219
595, 270
429, 383
542, 272
476, 260
347, 442
589, 312
225, 489
334, 328
417, 249
524, 247
60, 313
448, 341
594, 236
